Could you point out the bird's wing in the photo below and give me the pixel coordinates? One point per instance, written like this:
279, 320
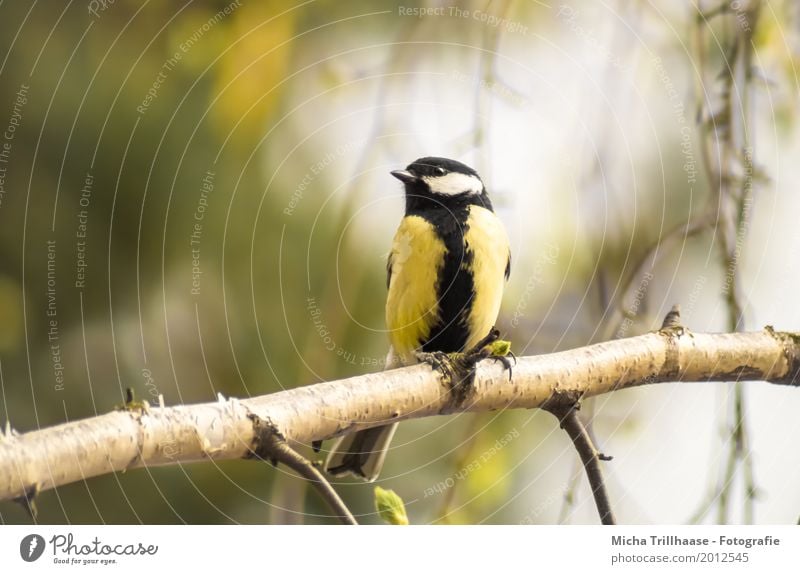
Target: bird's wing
389, 269
412, 302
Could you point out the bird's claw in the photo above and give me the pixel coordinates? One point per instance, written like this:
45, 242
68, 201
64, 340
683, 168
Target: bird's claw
459, 366
505, 362
438, 360
491, 347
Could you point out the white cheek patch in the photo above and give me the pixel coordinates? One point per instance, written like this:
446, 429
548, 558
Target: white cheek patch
454, 184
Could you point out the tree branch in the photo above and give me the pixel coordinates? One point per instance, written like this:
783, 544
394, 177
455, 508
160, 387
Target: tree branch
565, 409
230, 428
273, 447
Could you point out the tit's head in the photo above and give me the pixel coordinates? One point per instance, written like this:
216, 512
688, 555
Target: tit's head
441, 178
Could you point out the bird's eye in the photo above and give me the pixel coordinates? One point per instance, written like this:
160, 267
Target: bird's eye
441, 171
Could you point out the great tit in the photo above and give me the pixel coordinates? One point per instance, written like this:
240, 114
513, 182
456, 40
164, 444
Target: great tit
449, 260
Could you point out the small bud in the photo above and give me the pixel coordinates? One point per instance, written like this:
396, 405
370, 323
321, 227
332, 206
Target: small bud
390, 506
673, 318
500, 348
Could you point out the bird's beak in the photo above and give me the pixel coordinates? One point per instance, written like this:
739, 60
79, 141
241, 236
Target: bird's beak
405, 176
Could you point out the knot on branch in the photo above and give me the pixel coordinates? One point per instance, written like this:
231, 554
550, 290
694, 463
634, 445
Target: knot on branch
791, 350
461, 381
672, 331
562, 403
672, 319
28, 501
268, 441
565, 406
270, 444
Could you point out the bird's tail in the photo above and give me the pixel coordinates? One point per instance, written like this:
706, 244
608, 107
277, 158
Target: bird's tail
360, 454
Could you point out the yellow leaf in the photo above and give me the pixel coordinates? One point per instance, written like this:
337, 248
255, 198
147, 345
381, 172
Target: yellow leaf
247, 86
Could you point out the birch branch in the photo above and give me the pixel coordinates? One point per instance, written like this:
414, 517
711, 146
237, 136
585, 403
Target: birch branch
566, 411
232, 428
273, 447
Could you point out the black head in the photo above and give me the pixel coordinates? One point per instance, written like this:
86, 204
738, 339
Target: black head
441, 179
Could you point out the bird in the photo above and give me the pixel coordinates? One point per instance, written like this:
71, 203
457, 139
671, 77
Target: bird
446, 271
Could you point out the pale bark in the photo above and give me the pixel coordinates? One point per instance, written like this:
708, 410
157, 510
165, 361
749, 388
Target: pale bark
232, 428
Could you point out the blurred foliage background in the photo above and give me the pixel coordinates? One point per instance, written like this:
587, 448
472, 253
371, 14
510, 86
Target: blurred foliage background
196, 200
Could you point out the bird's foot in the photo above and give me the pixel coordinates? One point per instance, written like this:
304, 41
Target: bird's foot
459, 368
503, 359
439, 361
131, 404
490, 347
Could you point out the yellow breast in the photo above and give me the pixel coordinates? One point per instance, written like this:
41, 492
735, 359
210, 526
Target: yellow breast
411, 307
415, 262
486, 238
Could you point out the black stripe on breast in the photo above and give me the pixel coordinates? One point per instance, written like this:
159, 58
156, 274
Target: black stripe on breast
455, 287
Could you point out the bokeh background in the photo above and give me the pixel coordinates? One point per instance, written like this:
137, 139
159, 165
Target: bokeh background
195, 200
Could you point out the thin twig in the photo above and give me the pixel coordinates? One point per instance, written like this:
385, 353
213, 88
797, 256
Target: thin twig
727, 132
272, 446
588, 413
704, 508
565, 409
